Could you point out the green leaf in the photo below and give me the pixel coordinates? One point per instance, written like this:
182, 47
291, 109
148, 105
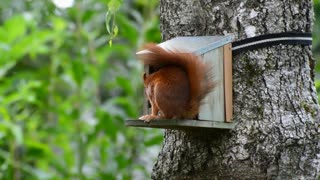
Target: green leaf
5, 68
14, 129
78, 71
114, 5
156, 140
109, 22
106, 124
127, 104
109, 176
58, 24
129, 30
15, 27
115, 30
36, 149
4, 113
112, 28
125, 84
122, 160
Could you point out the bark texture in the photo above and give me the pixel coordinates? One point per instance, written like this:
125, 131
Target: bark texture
275, 105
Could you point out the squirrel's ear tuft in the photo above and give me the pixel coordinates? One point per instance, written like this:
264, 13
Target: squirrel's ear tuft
144, 76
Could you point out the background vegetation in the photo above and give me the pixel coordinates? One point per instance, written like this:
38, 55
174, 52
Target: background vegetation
65, 93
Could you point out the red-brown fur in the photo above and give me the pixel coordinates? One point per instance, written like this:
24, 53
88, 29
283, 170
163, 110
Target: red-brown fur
177, 88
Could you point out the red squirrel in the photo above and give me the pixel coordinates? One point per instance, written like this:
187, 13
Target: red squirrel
176, 89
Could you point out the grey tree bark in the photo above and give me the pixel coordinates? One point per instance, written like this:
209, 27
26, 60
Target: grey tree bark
275, 105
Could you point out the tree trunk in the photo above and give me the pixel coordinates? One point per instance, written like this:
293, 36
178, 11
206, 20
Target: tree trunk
275, 104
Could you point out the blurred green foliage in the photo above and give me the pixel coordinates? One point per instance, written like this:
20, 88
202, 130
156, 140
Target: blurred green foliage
65, 93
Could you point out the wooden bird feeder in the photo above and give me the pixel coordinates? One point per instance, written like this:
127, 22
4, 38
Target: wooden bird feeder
216, 110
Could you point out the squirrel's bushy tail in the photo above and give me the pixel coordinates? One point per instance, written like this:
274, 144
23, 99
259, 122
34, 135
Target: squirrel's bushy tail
199, 73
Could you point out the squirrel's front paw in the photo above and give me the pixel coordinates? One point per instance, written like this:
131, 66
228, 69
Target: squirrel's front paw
147, 118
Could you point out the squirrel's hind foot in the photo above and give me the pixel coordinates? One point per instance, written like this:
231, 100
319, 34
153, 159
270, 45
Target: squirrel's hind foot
148, 118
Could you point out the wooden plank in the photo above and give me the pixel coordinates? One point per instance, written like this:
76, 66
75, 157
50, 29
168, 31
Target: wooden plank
180, 124
228, 82
213, 105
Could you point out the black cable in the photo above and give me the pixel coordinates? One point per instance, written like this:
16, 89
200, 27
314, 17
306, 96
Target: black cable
291, 38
